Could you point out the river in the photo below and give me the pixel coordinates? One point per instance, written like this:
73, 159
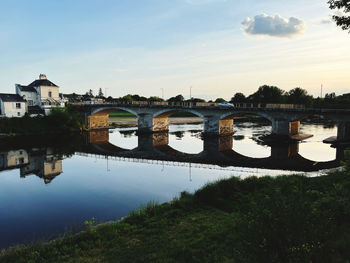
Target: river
46, 191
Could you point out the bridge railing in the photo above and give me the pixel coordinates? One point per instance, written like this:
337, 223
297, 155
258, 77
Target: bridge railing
186, 104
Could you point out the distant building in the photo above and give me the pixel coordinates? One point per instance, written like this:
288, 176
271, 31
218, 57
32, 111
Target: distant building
93, 101
12, 105
41, 94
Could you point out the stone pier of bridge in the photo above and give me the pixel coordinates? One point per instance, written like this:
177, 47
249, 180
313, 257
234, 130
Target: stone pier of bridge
285, 127
343, 134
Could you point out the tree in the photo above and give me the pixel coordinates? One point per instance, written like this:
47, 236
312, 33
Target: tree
90, 93
220, 100
268, 94
342, 20
100, 93
178, 98
127, 98
299, 96
155, 98
195, 100
238, 97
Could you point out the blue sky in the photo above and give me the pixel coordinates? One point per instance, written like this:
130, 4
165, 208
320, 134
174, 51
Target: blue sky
143, 46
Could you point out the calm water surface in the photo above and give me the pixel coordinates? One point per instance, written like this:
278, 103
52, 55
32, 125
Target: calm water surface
80, 187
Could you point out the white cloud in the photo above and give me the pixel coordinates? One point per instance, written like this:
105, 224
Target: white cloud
274, 25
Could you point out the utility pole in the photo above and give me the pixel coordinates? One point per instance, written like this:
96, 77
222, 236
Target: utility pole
162, 93
190, 92
321, 90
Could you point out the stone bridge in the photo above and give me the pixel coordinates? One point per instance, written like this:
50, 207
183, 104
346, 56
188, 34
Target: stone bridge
217, 120
216, 151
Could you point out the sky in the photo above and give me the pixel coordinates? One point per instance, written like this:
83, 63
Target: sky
155, 47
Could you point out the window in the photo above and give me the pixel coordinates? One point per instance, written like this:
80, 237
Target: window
30, 102
50, 94
18, 114
18, 105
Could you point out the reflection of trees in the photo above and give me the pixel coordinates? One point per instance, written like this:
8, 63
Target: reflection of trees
238, 137
127, 134
179, 134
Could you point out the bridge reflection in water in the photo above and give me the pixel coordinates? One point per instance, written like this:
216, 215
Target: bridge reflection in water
216, 151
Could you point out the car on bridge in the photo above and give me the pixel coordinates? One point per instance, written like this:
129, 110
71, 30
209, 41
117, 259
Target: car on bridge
225, 104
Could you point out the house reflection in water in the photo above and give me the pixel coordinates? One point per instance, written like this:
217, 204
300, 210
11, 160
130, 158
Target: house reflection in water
40, 162
13, 159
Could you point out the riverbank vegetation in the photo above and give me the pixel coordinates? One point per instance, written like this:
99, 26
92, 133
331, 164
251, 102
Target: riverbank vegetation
60, 120
282, 219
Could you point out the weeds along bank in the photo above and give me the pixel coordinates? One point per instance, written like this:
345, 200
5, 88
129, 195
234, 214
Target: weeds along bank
283, 219
60, 120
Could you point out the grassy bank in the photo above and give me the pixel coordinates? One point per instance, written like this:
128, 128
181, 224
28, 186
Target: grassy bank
282, 219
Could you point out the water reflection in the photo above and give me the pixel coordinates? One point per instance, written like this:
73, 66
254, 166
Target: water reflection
216, 151
108, 173
40, 162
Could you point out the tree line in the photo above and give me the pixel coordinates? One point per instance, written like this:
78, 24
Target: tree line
264, 94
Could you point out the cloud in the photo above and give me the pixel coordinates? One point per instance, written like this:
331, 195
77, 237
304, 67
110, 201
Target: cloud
274, 25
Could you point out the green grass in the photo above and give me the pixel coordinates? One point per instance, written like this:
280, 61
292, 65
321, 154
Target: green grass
282, 219
121, 114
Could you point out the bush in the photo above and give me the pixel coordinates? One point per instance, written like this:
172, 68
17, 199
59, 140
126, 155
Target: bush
60, 120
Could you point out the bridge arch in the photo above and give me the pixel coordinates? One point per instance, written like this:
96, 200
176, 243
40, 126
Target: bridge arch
231, 115
169, 112
159, 119
103, 111
99, 117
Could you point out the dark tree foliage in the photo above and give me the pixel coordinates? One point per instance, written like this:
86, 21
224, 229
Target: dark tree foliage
238, 97
155, 98
90, 93
220, 100
195, 100
130, 98
100, 93
268, 94
343, 20
298, 96
178, 98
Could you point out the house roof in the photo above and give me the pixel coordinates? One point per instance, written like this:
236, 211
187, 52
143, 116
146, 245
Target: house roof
11, 98
27, 88
42, 82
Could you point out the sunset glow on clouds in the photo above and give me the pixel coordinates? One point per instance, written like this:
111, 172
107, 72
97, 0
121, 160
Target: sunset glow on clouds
143, 47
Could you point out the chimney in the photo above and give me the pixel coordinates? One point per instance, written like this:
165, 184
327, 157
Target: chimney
42, 76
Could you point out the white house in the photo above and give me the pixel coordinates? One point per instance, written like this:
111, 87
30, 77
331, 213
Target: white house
41, 93
12, 105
